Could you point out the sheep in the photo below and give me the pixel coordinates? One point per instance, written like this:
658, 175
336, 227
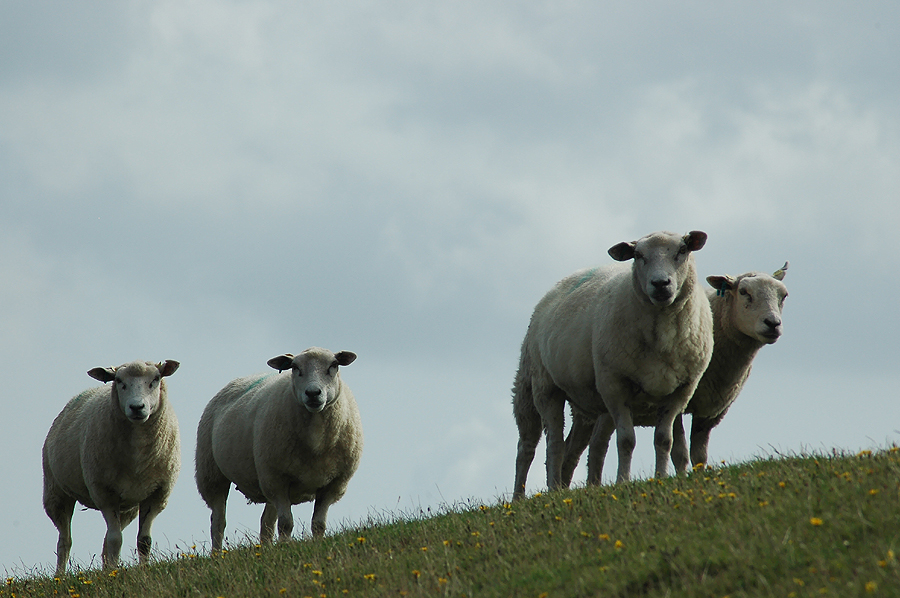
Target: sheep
282, 439
612, 340
747, 315
115, 449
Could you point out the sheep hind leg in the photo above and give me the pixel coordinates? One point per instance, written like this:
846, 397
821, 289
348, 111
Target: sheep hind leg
60, 512
576, 441
625, 440
553, 416
217, 520
267, 524
603, 431
528, 421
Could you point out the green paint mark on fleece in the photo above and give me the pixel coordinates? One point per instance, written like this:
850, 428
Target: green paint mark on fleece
257, 382
587, 276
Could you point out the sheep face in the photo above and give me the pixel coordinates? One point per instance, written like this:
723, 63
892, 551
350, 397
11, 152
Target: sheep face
314, 375
662, 263
136, 386
755, 303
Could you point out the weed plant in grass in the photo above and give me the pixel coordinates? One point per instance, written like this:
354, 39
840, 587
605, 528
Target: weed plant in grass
820, 525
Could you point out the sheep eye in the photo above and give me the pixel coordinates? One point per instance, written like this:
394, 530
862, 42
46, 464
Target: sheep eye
746, 294
296, 370
638, 255
683, 250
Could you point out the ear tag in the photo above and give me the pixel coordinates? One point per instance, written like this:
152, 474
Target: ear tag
721, 291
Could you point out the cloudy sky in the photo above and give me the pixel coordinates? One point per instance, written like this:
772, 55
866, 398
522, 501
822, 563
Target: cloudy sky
220, 182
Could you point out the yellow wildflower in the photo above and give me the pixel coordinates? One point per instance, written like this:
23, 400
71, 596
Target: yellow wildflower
816, 521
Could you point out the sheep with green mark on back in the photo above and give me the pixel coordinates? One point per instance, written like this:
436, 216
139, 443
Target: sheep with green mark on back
622, 338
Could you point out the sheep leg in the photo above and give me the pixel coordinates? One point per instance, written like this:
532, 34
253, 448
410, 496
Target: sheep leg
324, 500
282, 506
150, 509
663, 437
112, 542
577, 440
700, 430
679, 445
60, 512
267, 524
217, 520
528, 421
616, 395
553, 415
603, 431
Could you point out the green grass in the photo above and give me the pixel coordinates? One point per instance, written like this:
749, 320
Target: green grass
807, 526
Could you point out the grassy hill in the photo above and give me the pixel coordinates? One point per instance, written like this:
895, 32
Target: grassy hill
821, 525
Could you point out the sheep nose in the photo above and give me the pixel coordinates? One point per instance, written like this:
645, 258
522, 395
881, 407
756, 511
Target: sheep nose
314, 393
137, 408
772, 322
661, 282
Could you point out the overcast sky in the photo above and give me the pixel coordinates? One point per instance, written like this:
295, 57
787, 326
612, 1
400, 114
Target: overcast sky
220, 182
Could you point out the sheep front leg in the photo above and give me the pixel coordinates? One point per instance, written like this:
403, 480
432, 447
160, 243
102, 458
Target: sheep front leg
325, 497
616, 397
150, 509
662, 437
700, 430
285, 519
112, 542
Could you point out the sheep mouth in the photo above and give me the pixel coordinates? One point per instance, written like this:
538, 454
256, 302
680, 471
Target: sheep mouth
314, 406
662, 298
770, 336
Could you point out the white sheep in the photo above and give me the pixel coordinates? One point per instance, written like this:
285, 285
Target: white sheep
747, 315
614, 339
282, 439
115, 449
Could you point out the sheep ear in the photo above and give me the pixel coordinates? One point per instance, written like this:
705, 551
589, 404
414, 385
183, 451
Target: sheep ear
721, 284
282, 362
780, 272
695, 240
345, 357
167, 367
103, 374
623, 251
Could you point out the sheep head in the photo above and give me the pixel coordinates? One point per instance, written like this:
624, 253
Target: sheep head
754, 302
662, 263
137, 386
314, 375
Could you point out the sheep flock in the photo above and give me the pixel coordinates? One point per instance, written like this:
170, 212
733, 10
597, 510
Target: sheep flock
638, 342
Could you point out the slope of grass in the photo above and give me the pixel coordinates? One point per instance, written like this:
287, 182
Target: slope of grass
808, 526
